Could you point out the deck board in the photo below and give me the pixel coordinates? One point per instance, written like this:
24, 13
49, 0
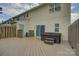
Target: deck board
33, 47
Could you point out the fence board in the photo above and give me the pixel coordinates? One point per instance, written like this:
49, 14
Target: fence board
73, 33
7, 31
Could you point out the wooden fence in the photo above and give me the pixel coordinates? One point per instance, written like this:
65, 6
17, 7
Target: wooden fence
7, 31
73, 36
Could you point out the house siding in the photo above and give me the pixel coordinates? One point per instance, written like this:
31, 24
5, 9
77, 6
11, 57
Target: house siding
26, 26
42, 16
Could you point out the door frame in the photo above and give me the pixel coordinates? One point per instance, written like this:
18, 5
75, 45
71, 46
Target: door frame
39, 30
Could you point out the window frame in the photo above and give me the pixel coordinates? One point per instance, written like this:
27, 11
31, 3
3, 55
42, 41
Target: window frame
57, 27
21, 26
54, 7
0, 8
27, 14
59, 6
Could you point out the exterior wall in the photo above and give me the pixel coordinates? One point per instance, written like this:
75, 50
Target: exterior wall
42, 16
25, 24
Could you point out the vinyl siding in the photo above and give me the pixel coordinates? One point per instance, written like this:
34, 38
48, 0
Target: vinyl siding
42, 16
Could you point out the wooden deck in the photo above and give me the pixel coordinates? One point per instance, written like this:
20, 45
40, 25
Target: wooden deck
33, 47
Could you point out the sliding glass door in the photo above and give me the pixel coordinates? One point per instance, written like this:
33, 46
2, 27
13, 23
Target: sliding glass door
40, 29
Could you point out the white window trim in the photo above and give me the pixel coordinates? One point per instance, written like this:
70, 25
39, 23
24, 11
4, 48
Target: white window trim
54, 8
58, 28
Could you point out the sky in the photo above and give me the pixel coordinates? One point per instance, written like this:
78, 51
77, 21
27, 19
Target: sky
13, 9
74, 12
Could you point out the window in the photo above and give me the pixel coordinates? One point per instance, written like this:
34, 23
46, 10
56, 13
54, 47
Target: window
54, 7
17, 19
27, 15
24, 16
56, 27
6, 22
51, 7
21, 26
0, 9
57, 7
